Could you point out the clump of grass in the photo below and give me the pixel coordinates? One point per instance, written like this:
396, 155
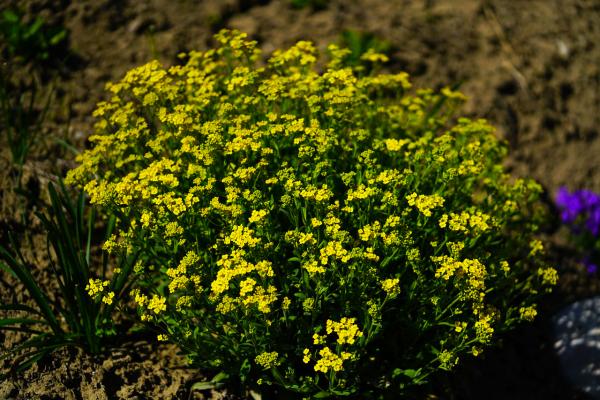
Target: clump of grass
21, 118
34, 42
24, 101
70, 317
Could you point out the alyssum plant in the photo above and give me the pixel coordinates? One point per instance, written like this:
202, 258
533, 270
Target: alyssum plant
330, 233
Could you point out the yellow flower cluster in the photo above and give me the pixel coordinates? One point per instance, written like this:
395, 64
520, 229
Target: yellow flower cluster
347, 332
242, 236
257, 215
536, 246
108, 297
549, 276
157, 304
267, 359
465, 222
528, 313
360, 193
425, 203
447, 359
313, 267
181, 275
391, 286
471, 271
346, 329
96, 286
312, 193
484, 329
395, 144
369, 231
330, 361
336, 250
261, 298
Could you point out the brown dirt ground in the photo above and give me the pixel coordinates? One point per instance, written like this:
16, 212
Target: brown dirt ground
532, 67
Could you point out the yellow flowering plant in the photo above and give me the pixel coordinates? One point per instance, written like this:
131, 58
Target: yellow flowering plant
310, 226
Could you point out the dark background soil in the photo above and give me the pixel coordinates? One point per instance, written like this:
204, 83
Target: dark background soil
532, 67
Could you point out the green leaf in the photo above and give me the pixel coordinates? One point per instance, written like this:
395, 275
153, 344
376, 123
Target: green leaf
411, 373
203, 386
58, 37
39, 297
221, 376
244, 369
214, 383
10, 16
6, 269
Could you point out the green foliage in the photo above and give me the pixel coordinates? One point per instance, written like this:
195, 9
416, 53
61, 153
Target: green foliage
34, 42
70, 317
24, 102
21, 117
330, 233
362, 45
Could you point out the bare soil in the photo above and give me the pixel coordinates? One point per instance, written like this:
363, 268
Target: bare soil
532, 67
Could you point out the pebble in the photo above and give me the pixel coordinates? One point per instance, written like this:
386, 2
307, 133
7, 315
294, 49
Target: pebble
577, 344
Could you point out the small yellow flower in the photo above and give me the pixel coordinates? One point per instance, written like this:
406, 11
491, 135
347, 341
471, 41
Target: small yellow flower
536, 246
162, 337
460, 326
157, 304
318, 339
306, 357
528, 313
549, 276
108, 298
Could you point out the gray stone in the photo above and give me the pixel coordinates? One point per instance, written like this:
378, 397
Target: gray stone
577, 344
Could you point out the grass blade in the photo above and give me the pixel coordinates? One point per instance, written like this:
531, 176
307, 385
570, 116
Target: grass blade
38, 296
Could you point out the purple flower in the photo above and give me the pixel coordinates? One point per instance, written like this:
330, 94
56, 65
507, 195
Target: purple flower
590, 266
581, 204
570, 205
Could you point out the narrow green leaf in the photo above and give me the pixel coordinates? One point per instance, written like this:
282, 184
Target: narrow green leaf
38, 296
204, 386
7, 269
